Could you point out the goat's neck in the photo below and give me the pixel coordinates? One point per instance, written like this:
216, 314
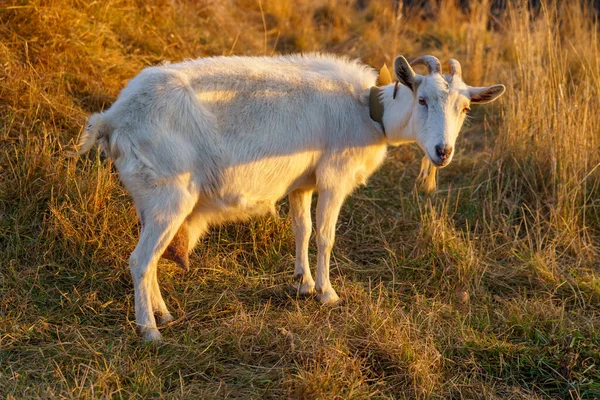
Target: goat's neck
397, 114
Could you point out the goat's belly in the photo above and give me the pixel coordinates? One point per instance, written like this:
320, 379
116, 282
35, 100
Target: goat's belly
250, 189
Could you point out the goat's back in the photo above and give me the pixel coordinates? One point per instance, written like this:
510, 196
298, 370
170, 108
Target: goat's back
214, 115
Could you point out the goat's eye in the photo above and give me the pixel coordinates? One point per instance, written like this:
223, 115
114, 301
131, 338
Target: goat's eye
422, 102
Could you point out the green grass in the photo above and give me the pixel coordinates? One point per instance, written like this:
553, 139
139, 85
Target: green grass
488, 289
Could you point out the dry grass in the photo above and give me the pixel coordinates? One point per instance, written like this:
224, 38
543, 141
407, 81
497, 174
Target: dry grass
489, 289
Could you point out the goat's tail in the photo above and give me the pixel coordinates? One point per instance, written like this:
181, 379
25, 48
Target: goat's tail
97, 131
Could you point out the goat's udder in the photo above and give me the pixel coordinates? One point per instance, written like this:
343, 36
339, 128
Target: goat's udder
178, 248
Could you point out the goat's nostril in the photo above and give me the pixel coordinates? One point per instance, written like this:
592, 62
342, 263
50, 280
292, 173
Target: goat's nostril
443, 152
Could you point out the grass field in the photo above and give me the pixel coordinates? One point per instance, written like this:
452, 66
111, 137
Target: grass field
488, 289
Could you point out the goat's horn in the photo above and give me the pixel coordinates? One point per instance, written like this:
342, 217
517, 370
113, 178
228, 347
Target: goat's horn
455, 68
432, 63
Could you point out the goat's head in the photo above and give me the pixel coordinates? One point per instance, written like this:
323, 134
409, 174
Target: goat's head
440, 104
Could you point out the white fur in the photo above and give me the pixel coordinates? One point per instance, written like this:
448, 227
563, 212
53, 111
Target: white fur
220, 139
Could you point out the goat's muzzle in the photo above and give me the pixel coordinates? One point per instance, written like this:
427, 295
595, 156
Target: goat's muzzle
443, 153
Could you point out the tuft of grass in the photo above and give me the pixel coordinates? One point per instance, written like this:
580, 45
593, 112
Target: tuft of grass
488, 289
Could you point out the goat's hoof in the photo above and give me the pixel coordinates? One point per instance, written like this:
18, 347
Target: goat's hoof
165, 318
305, 289
151, 335
329, 298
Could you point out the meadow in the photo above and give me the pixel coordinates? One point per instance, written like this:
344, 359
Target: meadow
487, 289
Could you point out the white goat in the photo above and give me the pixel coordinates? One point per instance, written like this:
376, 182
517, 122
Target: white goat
219, 139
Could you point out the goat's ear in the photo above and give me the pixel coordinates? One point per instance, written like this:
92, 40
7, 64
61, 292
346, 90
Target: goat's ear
405, 73
482, 95
385, 78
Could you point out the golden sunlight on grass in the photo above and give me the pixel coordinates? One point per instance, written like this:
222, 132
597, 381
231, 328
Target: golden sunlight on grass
488, 289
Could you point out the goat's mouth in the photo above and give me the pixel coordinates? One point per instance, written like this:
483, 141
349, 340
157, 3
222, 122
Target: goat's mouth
439, 163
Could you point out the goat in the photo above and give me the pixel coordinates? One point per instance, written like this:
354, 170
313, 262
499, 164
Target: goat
211, 140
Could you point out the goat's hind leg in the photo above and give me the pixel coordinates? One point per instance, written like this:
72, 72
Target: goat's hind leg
163, 216
158, 303
178, 251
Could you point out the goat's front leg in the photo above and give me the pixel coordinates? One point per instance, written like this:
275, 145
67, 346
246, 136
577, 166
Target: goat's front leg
302, 226
328, 209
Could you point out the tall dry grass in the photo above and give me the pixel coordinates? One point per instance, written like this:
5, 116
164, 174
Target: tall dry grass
544, 188
550, 136
488, 289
